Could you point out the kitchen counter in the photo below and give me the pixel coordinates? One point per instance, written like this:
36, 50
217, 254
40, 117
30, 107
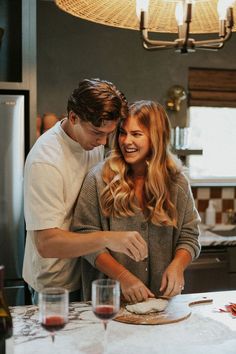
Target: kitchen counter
205, 331
209, 238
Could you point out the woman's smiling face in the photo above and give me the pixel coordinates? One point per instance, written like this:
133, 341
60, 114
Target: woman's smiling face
134, 143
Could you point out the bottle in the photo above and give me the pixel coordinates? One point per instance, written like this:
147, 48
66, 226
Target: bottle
210, 214
6, 326
177, 145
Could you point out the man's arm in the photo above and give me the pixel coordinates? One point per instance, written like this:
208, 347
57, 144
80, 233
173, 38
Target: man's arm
57, 243
89, 219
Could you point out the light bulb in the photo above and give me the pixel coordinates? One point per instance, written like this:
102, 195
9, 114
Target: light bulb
179, 13
141, 5
222, 7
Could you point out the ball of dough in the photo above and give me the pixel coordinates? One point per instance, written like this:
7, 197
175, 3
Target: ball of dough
148, 306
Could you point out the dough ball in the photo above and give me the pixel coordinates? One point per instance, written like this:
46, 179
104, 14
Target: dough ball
148, 306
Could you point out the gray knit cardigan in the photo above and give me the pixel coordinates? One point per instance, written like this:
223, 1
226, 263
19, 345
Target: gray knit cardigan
163, 241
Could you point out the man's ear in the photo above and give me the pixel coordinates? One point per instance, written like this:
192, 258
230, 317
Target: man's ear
72, 117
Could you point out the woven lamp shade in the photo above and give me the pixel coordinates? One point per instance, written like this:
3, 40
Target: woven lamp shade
122, 13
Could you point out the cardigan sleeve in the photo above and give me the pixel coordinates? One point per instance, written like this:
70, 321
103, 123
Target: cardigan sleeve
87, 215
189, 227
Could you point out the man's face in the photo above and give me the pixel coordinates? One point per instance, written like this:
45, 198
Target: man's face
90, 136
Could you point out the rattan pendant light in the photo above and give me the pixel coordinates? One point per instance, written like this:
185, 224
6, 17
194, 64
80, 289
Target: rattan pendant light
161, 15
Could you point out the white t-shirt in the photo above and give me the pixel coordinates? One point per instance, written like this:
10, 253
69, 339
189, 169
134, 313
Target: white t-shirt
54, 171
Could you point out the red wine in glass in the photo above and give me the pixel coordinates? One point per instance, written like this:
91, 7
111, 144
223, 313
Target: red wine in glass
105, 301
53, 323
105, 312
53, 309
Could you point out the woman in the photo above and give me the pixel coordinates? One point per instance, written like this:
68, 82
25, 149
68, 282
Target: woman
141, 187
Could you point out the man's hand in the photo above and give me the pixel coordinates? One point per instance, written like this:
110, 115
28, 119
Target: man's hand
130, 243
132, 288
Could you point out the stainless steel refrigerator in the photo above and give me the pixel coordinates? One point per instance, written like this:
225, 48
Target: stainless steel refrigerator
12, 227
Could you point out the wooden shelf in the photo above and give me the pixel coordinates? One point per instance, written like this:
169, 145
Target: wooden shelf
186, 152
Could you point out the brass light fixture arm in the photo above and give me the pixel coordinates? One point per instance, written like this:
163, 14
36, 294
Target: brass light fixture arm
225, 32
184, 44
214, 43
149, 43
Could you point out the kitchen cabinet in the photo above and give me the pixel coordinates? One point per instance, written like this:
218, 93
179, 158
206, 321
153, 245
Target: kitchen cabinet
18, 53
18, 44
214, 270
232, 267
11, 46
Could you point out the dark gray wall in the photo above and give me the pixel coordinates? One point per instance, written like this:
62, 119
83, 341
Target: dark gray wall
70, 49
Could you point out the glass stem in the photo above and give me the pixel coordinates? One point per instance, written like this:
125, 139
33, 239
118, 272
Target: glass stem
105, 337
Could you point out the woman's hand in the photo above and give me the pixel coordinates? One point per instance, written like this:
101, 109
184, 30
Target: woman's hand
132, 288
172, 280
173, 277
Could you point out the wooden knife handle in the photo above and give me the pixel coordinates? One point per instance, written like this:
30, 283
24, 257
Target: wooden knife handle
201, 301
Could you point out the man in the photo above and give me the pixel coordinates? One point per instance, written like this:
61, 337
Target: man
54, 172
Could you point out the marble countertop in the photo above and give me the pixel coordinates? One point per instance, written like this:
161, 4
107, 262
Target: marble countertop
207, 330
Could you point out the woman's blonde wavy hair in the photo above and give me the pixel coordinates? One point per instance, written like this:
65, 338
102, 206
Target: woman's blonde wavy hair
118, 198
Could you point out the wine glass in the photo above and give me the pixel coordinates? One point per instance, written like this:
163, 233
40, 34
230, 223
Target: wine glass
53, 309
105, 301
